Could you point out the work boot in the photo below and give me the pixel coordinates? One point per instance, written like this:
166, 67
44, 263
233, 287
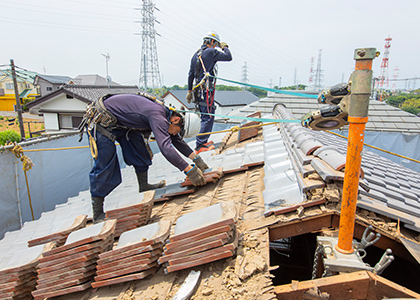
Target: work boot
144, 185
98, 209
204, 148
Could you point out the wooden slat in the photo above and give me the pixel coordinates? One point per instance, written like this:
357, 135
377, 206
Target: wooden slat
301, 226
347, 286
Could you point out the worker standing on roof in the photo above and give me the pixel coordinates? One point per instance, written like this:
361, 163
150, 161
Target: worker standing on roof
203, 63
130, 119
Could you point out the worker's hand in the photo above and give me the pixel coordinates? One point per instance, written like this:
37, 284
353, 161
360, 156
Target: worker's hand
189, 96
196, 176
199, 162
223, 45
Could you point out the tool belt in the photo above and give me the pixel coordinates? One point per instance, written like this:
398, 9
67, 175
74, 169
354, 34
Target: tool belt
98, 118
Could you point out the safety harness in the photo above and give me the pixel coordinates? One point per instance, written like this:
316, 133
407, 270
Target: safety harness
205, 83
98, 118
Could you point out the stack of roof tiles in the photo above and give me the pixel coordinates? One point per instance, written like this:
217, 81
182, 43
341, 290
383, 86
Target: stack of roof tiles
18, 275
200, 237
71, 267
60, 229
135, 256
131, 210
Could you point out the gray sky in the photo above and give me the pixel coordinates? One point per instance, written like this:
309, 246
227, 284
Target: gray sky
274, 37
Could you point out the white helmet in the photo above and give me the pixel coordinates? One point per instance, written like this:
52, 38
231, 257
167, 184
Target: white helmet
192, 124
213, 36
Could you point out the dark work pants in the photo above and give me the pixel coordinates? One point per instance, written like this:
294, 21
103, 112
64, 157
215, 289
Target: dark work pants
206, 120
105, 175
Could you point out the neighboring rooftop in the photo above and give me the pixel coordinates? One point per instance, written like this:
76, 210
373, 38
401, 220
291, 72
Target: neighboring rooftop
382, 117
85, 93
55, 79
222, 98
91, 79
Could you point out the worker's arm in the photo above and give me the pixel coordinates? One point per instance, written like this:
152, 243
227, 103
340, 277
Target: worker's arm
191, 73
224, 55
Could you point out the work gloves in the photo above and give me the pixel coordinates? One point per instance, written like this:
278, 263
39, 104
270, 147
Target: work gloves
223, 45
199, 162
189, 96
196, 176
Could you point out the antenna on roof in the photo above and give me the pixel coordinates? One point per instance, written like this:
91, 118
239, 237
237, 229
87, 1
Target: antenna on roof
107, 57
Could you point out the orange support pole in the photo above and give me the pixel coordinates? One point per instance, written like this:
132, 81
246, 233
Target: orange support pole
358, 110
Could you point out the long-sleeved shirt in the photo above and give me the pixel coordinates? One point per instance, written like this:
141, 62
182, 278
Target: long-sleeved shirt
134, 111
210, 57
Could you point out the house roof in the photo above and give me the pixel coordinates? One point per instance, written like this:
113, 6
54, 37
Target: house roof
382, 117
222, 98
91, 79
55, 79
21, 75
85, 93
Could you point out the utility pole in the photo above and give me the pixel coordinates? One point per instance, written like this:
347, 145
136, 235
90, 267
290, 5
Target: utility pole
279, 82
18, 108
149, 66
107, 57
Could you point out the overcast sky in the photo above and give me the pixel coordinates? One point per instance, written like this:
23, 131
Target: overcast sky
277, 39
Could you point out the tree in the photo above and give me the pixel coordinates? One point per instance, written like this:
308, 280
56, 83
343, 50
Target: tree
411, 106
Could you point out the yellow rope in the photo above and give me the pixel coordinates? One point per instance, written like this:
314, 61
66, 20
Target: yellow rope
27, 164
383, 150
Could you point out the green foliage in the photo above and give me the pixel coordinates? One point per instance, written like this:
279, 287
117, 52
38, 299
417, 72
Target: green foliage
396, 100
411, 106
1, 118
300, 87
258, 92
9, 136
409, 102
221, 87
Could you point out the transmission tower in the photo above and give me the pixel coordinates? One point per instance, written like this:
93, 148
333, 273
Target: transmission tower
149, 66
395, 75
383, 77
311, 73
318, 73
244, 77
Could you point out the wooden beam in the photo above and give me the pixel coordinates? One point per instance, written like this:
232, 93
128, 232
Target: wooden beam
346, 286
300, 226
381, 288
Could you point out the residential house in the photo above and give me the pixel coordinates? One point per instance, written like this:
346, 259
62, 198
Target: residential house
63, 109
26, 88
225, 101
49, 83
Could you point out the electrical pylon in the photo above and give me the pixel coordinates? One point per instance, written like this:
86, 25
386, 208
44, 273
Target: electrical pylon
383, 77
318, 73
395, 75
149, 66
311, 73
244, 77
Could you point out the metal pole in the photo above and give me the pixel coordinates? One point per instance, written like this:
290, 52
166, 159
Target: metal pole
18, 106
361, 86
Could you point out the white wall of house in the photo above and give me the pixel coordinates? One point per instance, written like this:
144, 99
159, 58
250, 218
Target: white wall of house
170, 100
62, 103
